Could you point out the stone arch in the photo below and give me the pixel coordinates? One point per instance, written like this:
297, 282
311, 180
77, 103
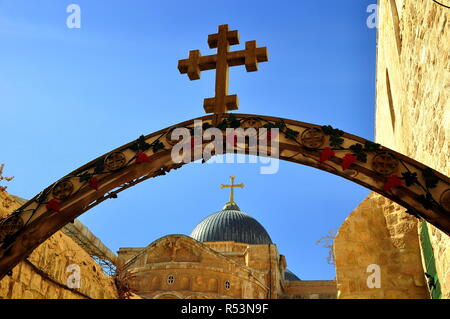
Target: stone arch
168, 295
197, 296
422, 190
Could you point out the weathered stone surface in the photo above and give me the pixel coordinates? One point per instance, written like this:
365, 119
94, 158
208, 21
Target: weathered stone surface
416, 122
399, 260
413, 118
178, 266
53, 257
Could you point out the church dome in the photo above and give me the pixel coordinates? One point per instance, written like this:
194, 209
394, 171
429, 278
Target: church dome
230, 224
289, 275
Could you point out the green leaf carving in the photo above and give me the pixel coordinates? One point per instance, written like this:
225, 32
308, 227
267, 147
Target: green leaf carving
99, 166
329, 130
41, 197
140, 145
85, 177
410, 178
206, 126
371, 147
222, 125
157, 145
426, 201
359, 152
291, 134
335, 135
431, 180
233, 122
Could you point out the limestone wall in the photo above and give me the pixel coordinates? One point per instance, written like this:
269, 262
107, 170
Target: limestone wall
413, 90
177, 266
378, 232
44, 273
258, 257
309, 289
413, 118
192, 281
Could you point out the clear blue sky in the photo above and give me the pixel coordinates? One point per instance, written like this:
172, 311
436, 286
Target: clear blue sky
68, 96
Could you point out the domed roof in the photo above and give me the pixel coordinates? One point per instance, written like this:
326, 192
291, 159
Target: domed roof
230, 224
289, 275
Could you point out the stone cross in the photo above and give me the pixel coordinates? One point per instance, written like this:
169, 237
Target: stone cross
222, 102
232, 186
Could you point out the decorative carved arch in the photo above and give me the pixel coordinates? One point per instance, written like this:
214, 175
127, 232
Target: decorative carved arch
168, 295
422, 190
197, 296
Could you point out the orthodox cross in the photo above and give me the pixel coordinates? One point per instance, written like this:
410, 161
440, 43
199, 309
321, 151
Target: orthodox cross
222, 102
232, 186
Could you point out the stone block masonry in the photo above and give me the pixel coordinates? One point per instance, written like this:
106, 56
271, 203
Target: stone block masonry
44, 275
413, 118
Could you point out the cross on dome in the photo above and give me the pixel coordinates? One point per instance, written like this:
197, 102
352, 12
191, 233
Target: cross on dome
232, 186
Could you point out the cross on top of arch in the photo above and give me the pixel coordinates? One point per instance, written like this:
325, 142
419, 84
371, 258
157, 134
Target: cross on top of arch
222, 102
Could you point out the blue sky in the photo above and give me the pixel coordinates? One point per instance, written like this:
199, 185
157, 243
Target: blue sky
68, 96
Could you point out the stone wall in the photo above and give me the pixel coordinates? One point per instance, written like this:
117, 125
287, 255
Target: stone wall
258, 257
309, 289
44, 273
178, 266
379, 232
413, 90
413, 118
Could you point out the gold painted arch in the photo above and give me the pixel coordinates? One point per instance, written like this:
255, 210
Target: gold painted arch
423, 191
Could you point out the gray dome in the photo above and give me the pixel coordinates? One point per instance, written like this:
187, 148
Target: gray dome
230, 224
289, 275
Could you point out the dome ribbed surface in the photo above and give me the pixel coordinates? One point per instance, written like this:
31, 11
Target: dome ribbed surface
289, 275
231, 225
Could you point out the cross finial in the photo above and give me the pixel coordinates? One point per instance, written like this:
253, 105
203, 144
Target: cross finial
232, 186
222, 102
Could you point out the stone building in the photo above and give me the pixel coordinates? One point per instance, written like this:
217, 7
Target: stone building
228, 255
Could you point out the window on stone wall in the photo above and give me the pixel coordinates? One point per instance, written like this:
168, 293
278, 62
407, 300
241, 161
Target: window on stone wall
390, 100
227, 285
170, 279
396, 23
